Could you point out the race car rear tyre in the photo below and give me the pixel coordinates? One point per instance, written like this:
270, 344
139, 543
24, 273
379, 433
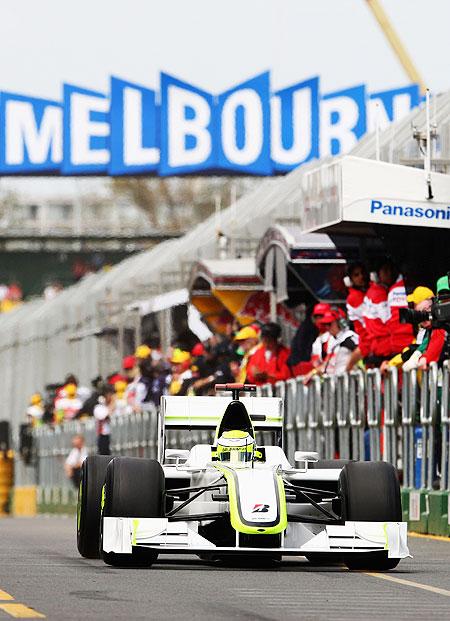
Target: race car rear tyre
134, 487
93, 473
370, 492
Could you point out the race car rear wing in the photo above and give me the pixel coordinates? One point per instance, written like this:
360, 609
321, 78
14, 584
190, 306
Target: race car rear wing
190, 413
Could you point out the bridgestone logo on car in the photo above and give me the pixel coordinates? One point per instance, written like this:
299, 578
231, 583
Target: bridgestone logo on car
261, 509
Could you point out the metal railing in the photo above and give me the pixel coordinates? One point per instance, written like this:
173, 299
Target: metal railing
402, 418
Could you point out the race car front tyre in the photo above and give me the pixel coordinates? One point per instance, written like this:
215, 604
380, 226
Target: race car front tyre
93, 473
370, 492
134, 487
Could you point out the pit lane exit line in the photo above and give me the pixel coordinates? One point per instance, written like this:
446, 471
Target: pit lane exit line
409, 583
16, 610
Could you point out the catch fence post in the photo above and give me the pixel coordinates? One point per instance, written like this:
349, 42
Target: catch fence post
328, 415
391, 415
374, 412
357, 413
289, 418
419, 500
445, 419
342, 415
438, 500
314, 413
428, 414
302, 403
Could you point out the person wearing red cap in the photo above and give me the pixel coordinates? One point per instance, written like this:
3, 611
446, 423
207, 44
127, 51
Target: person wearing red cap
198, 350
128, 363
324, 340
343, 348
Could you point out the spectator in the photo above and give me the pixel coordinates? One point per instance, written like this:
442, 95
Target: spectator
357, 283
75, 459
159, 381
103, 412
324, 341
343, 347
341, 357
120, 387
35, 411
421, 298
68, 404
87, 409
269, 362
52, 290
247, 339
129, 368
144, 386
83, 392
181, 377
302, 357
438, 348
142, 352
386, 336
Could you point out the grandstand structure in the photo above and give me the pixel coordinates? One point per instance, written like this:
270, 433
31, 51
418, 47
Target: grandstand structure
84, 329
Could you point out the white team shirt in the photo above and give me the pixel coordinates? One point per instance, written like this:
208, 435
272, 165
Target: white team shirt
70, 406
101, 415
345, 342
76, 457
323, 344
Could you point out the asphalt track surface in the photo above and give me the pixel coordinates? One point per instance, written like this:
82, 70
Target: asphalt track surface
40, 568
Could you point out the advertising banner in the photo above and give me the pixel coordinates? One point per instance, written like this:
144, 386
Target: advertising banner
182, 129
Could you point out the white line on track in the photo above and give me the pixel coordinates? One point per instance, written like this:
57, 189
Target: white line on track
409, 583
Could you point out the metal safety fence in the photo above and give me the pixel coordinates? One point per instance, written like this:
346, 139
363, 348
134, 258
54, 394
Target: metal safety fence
402, 418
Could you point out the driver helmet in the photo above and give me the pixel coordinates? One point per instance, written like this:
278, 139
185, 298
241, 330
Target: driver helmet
236, 447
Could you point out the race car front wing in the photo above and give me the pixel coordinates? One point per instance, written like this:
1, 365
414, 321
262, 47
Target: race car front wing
181, 537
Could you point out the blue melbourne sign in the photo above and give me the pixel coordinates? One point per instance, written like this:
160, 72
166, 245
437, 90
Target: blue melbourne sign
182, 129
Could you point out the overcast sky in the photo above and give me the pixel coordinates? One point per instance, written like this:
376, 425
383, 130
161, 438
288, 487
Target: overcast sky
216, 44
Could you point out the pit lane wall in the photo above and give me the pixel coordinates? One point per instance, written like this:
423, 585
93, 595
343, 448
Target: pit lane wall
402, 418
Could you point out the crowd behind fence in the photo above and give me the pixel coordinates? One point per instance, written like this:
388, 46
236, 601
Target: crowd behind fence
402, 418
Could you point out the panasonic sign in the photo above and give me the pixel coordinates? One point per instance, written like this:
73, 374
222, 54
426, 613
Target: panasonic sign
181, 129
406, 211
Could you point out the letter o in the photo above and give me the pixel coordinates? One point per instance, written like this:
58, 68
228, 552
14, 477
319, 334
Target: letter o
250, 101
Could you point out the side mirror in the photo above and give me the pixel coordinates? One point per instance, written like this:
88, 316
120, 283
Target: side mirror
306, 456
176, 454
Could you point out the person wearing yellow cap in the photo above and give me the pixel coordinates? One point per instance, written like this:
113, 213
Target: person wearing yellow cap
421, 298
120, 387
143, 352
35, 410
68, 405
182, 377
247, 339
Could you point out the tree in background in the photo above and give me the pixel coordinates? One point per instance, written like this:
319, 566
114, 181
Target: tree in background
176, 204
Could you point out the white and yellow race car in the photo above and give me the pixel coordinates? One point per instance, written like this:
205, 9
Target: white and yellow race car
237, 497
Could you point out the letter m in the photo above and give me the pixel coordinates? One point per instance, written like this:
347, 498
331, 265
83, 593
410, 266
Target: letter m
33, 131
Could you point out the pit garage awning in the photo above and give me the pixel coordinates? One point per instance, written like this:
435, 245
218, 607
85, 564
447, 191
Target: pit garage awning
354, 196
223, 290
160, 302
306, 267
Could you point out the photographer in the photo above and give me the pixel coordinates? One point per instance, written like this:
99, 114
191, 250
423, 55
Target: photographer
421, 298
438, 348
